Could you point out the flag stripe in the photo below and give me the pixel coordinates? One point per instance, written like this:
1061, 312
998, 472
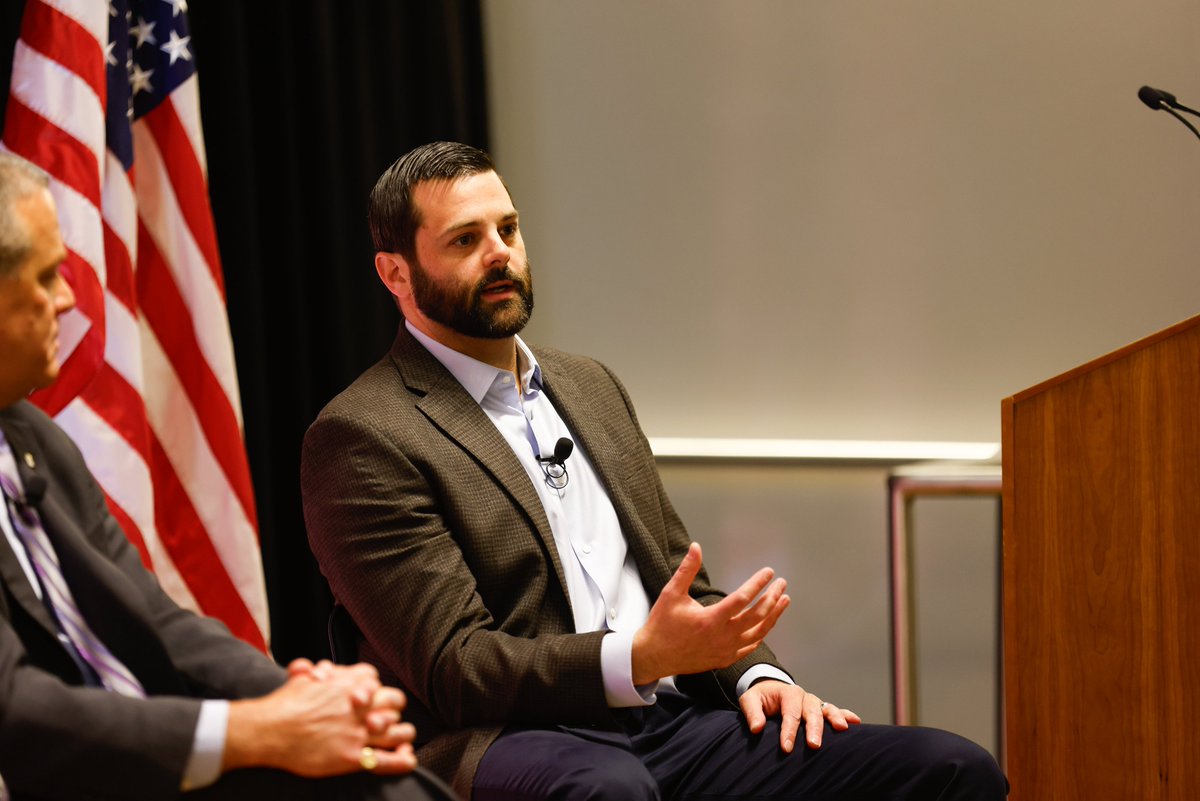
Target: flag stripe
92, 17
59, 96
182, 168
185, 539
132, 530
35, 138
170, 318
61, 38
178, 250
174, 423
115, 465
124, 412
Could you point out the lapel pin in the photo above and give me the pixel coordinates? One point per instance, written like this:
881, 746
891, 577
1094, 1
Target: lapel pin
29, 461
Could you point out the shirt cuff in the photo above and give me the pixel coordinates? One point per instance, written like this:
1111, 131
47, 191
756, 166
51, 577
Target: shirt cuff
616, 668
757, 672
208, 746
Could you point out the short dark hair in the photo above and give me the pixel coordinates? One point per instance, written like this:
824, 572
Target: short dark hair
392, 214
18, 179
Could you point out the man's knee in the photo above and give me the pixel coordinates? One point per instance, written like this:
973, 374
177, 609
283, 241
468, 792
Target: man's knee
960, 769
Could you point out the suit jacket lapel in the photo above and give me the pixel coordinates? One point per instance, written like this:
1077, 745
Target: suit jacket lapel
109, 602
455, 412
104, 594
22, 441
577, 410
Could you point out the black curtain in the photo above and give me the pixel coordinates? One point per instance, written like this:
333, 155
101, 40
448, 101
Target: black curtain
304, 104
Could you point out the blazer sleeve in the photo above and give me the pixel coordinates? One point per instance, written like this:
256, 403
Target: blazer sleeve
59, 741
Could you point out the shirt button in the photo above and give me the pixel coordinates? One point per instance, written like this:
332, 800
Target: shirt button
612, 613
507, 380
585, 548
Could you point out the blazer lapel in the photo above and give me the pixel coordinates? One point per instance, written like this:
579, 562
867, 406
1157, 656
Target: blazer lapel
577, 410
103, 593
109, 602
21, 440
455, 412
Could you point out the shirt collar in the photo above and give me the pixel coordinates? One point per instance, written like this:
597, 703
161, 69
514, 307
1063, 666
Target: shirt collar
475, 376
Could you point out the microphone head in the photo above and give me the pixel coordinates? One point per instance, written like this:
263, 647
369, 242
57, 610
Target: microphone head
563, 449
1156, 99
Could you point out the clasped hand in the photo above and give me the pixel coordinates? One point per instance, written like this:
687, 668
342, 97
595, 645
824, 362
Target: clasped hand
319, 722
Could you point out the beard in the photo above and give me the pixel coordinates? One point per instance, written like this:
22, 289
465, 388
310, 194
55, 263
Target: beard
463, 308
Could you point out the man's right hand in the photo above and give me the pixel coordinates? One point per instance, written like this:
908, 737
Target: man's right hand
318, 723
683, 636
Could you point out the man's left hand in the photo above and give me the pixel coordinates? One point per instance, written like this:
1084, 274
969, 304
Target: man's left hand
793, 704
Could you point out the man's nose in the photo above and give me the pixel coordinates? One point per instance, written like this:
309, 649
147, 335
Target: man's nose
498, 251
64, 296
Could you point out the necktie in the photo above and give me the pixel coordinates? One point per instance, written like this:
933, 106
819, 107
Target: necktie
77, 634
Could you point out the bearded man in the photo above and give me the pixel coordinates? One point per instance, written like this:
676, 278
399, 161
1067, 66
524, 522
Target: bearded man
490, 516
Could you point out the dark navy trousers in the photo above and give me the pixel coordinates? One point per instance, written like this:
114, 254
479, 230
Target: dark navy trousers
677, 750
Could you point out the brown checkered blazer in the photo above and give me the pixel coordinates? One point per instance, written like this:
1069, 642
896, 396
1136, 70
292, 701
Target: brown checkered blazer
433, 538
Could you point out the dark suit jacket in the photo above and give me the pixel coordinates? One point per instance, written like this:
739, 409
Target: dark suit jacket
432, 536
62, 740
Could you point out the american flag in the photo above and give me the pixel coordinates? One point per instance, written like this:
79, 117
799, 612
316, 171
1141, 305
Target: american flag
104, 98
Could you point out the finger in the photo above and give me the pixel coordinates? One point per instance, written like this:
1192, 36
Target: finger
363, 690
814, 720
362, 669
380, 720
763, 607
299, 667
392, 762
760, 630
841, 719
686, 573
766, 600
323, 670
395, 736
737, 601
790, 715
752, 707
389, 697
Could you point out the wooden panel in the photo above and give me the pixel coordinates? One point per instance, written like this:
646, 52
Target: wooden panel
1102, 516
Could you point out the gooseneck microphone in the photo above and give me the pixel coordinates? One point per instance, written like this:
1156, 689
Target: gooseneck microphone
1159, 100
555, 467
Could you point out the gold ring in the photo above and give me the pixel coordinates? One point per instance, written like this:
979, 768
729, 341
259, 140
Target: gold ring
367, 758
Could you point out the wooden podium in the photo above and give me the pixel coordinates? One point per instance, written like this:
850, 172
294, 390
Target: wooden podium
1102, 577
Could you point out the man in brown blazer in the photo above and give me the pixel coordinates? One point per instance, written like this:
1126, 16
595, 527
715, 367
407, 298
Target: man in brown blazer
490, 516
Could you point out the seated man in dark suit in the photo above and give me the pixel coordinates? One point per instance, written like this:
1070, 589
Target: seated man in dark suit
109, 690
559, 637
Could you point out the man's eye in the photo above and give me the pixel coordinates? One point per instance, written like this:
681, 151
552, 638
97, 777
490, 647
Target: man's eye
464, 240
508, 230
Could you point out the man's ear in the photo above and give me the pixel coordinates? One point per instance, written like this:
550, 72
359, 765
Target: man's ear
393, 271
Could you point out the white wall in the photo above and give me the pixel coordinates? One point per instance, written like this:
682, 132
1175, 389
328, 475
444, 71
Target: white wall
847, 219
